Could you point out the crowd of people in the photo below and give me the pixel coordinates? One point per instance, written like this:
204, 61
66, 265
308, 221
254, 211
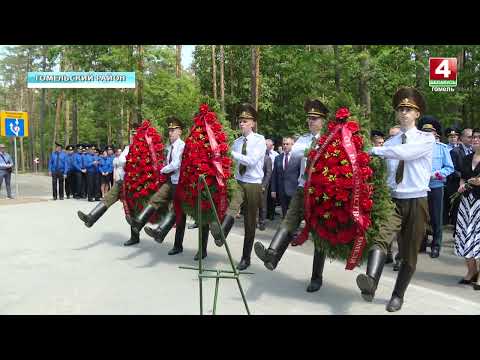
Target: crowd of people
431, 184
83, 171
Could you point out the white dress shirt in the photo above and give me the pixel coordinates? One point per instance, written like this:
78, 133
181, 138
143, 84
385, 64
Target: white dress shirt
417, 155
298, 150
273, 154
173, 167
119, 164
256, 148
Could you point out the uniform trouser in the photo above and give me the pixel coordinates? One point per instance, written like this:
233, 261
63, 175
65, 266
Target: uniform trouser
250, 195
57, 178
409, 220
435, 209
97, 186
285, 203
295, 212
160, 200
84, 187
112, 196
70, 184
4, 174
270, 202
78, 184
262, 211
110, 177
91, 188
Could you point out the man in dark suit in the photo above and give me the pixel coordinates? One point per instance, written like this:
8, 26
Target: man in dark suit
453, 180
286, 171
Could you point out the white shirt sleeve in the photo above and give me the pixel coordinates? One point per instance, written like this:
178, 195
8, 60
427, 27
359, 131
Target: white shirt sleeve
176, 159
422, 146
255, 154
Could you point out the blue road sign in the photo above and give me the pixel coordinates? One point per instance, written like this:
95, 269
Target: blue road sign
14, 127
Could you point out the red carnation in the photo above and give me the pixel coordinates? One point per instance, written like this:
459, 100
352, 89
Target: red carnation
352, 126
342, 113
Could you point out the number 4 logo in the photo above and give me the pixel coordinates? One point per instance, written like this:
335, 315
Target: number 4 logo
444, 69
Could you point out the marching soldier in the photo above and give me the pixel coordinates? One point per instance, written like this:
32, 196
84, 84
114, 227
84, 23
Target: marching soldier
248, 151
409, 168
316, 115
164, 196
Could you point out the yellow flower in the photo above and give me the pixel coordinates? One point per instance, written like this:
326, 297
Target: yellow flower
332, 177
348, 175
311, 190
326, 215
344, 162
325, 171
325, 197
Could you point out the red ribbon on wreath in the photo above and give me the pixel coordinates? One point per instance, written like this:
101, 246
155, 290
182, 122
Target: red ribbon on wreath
311, 222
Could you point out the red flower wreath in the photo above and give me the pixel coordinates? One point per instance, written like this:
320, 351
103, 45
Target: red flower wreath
205, 153
142, 170
338, 197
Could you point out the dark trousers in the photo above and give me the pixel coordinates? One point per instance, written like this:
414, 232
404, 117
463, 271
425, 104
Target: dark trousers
84, 185
97, 185
4, 174
57, 178
70, 183
435, 209
91, 180
110, 177
78, 185
271, 202
285, 203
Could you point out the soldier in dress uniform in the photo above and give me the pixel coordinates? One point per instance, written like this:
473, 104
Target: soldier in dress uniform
248, 152
452, 135
317, 113
409, 168
165, 195
77, 170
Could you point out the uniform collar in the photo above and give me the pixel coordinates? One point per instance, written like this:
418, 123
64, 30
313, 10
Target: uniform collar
249, 136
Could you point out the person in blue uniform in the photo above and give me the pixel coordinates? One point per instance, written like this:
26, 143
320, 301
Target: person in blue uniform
57, 169
106, 169
111, 156
442, 166
70, 180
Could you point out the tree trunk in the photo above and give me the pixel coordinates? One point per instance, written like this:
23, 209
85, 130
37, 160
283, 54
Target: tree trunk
222, 83
255, 74
74, 118
363, 83
58, 113
337, 67
140, 83
22, 154
178, 71
419, 73
67, 122
43, 160
214, 73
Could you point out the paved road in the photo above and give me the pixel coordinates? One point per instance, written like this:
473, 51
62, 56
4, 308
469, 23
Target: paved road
55, 265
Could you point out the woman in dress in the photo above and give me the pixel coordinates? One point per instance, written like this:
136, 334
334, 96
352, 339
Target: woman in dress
467, 237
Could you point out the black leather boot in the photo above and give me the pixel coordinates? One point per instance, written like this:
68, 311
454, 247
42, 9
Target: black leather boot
226, 227
94, 215
205, 232
134, 238
139, 222
317, 271
368, 282
275, 251
164, 226
179, 234
403, 279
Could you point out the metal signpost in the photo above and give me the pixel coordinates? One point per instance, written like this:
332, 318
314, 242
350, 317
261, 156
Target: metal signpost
14, 124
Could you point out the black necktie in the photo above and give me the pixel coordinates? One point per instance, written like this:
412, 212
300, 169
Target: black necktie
170, 157
401, 164
286, 161
243, 168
